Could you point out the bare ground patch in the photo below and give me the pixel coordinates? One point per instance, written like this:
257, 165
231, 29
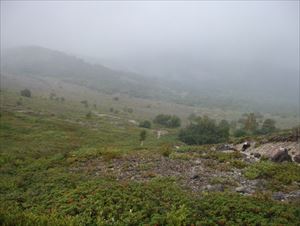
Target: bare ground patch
196, 174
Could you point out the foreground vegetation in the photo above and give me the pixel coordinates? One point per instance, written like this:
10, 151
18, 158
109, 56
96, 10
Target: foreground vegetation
39, 149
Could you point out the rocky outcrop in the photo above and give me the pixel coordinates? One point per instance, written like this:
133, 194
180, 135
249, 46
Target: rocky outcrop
246, 145
291, 196
281, 155
270, 150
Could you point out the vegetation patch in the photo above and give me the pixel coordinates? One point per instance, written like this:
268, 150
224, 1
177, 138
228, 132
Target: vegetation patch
276, 174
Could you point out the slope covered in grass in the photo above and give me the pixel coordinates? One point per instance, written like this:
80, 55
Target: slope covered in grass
40, 147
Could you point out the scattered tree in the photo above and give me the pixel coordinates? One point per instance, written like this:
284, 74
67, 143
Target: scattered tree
143, 135
85, 103
19, 102
89, 114
224, 128
25, 93
240, 133
268, 126
192, 117
145, 124
249, 122
170, 121
52, 96
129, 110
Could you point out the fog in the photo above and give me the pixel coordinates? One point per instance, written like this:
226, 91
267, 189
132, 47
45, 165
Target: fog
163, 38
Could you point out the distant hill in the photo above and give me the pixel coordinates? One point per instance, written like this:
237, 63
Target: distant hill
42, 62
263, 95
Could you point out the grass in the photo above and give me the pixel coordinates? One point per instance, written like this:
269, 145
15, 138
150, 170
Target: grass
41, 141
158, 202
279, 176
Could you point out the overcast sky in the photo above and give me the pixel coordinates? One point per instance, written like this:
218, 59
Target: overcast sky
249, 32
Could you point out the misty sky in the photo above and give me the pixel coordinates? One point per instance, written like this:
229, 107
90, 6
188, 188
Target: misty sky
160, 34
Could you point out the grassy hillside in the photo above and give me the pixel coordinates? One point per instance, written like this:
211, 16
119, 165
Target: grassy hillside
60, 167
143, 109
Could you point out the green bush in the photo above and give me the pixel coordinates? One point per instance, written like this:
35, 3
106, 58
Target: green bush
145, 124
25, 93
240, 133
159, 202
204, 131
276, 174
170, 121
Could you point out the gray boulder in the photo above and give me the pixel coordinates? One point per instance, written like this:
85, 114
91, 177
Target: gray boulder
281, 155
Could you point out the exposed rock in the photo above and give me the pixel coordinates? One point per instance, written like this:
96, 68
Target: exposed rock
279, 196
268, 150
257, 155
294, 195
226, 147
133, 122
194, 177
281, 155
198, 161
258, 183
244, 190
297, 158
215, 188
245, 146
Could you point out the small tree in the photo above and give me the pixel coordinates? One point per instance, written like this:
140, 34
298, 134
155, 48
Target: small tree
170, 121
19, 102
89, 114
145, 124
143, 135
240, 133
249, 122
268, 126
25, 93
192, 117
223, 129
85, 103
52, 96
